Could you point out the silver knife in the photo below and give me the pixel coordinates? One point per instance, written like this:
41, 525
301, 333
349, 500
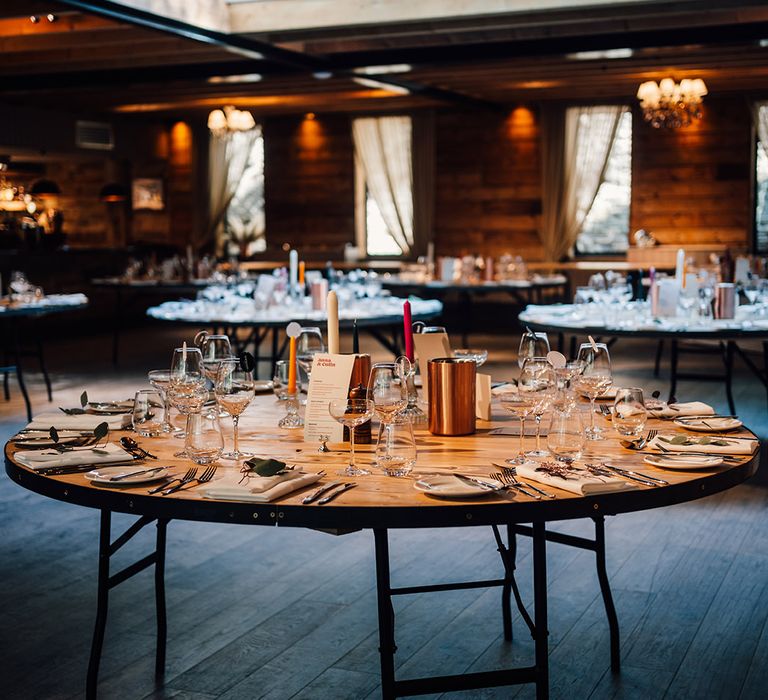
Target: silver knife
319, 492
339, 490
629, 472
641, 479
120, 477
495, 486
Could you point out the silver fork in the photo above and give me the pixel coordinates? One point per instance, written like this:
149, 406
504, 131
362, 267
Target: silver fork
188, 476
510, 476
514, 484
204, 478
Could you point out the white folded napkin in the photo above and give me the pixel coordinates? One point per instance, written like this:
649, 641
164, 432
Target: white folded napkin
228, 489
81, 421
678, 410
582, 484
734, 446
43, 459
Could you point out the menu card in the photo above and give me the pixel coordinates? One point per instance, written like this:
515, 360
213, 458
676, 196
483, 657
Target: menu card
328, 382
428, 347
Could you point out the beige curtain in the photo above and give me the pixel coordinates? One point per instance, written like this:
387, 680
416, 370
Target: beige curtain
227, 161
423, 181
576, 143
383, 153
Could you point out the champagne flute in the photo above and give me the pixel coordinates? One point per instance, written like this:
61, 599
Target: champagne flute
532, 345
544, 386
308, 344
352, 413
235, 388
388, 390
595, 379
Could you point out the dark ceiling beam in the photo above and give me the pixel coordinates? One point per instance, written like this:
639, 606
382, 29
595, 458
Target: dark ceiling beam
259, 50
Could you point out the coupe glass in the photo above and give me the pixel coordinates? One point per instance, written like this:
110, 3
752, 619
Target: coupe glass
308, 344
160, 379
595, 379
387, 388
351, 413
476, 354
532, 345
630, 413
204, 441
544, 385
235, 388
148, 413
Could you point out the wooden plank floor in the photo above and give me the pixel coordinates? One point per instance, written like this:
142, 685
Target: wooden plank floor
273, 613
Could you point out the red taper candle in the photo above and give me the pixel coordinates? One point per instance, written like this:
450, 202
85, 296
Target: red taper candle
408, 330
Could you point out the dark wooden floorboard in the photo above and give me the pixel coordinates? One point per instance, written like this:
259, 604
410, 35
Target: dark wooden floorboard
268, 613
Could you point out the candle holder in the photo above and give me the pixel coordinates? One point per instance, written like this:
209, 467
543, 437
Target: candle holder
412, 411
291, 420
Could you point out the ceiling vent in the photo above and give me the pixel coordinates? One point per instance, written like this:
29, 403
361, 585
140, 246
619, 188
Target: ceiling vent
94, 135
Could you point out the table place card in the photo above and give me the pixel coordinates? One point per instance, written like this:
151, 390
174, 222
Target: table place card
328, 382
483, 396
428, 347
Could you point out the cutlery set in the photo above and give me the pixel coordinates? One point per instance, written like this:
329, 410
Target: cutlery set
328, 492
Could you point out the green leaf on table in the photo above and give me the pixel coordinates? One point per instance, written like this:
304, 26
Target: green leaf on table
99, 451
246, 362
84, 399
676, 440
72, 411
101, 431
54, 434
265, 467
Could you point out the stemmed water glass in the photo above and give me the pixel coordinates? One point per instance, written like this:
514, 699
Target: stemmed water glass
186, 390
235, 388
477, 354
308, 344
215, 349
387, 388
595, 379
522, 402
544, 388
351, 413
532, 345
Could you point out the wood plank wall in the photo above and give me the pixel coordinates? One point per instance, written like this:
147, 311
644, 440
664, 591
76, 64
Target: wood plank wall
309, 183
693, 185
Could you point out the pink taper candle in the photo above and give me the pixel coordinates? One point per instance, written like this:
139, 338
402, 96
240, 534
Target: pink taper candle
408, 329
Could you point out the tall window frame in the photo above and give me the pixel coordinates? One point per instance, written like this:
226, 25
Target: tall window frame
760, 218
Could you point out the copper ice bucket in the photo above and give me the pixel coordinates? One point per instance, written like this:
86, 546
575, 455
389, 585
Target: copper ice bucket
725, 300
452, 396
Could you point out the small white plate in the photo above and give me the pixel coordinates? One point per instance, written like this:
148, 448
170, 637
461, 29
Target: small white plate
109, 408
683, 461
105, 475
709, 425
448, 486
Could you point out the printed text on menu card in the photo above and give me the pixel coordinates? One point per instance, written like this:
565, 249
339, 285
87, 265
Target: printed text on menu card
329, 381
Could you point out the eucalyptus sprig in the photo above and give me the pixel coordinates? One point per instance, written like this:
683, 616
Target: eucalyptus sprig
100, 432
77, 411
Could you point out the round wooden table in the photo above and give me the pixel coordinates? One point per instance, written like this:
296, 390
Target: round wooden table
377, 316
381, 503
560, 319
12, 314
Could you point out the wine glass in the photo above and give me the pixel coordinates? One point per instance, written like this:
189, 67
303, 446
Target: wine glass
388, 390
594, 380
522, 402
204, 442
532, 345
544, 385
629, 413
351, 413
235, 388
214, 349
187, 397
308, 344
160, 379
478, 355
187, 366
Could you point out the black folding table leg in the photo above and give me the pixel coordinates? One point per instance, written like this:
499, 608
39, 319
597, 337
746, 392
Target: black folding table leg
605, 589
386, 615
659, 353
672, 369
43, 368
102, 605
20, 371
162, 624
728, 352
540, 610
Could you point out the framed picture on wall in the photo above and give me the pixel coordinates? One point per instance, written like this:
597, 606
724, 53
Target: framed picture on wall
147, 193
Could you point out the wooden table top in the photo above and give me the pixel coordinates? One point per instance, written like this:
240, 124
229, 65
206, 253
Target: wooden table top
381, 501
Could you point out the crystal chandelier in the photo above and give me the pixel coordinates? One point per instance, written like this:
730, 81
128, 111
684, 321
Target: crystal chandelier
223, 122
669, 104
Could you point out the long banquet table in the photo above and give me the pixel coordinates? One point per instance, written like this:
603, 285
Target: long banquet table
570, 319
380, 503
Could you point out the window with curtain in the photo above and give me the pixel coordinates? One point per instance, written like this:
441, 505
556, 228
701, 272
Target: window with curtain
383, 185
244, 224
761, 179
605, 227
